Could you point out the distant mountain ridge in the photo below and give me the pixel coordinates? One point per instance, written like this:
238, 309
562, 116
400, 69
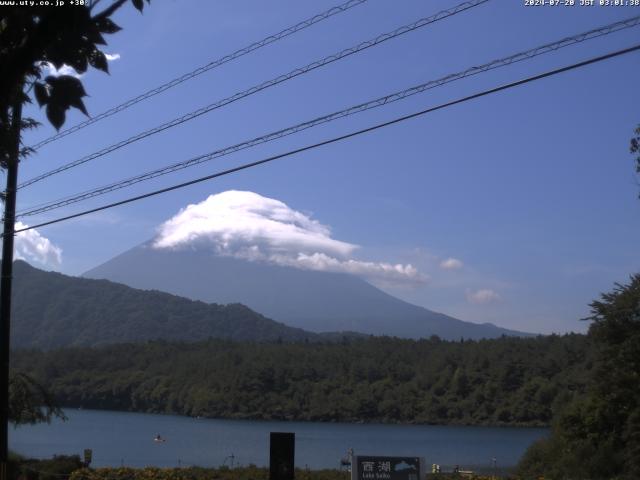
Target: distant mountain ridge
52, 310
312, 300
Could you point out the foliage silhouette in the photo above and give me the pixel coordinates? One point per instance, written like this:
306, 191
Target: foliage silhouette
37, 36
598, 434
32, 38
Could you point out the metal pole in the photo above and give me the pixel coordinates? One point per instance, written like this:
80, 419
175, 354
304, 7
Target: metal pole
5, 280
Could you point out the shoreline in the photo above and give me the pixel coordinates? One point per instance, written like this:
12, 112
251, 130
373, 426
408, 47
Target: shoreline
532, 425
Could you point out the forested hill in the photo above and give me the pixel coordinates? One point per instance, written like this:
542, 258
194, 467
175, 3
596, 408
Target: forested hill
507, 381
52, 310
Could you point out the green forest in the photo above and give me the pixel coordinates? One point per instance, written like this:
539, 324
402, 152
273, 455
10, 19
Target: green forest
506, 381
51, 310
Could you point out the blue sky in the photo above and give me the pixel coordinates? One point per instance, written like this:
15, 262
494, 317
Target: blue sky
533, 190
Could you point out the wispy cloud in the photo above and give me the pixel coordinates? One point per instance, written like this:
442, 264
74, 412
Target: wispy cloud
33, 247
252, 227
451, 264
482, 296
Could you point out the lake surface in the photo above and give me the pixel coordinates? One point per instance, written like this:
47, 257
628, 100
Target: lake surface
119, 438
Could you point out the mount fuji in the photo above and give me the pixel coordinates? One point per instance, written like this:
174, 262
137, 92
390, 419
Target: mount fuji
312, 300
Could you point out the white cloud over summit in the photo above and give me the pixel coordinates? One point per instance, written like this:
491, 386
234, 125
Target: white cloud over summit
249, 226
33, 247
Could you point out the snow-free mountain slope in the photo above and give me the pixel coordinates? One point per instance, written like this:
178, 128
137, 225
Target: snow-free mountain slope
309, 299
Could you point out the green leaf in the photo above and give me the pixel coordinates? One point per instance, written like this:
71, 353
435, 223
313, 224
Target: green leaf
79, 104
64, 92
41, 94
29, 123
66, 86
24, 98
106, 25
94, 36
56, 115
139, 4
78, 62
98, 60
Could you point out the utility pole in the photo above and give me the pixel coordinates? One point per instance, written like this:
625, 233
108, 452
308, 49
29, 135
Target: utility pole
6, 276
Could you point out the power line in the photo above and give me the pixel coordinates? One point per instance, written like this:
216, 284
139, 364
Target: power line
245, 166
262, 86
634, 21
205, 68
525, 55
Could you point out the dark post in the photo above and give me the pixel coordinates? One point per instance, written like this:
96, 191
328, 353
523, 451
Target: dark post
281, 456
5, 281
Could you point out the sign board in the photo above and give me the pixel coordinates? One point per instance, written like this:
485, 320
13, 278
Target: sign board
88, 453
386, 468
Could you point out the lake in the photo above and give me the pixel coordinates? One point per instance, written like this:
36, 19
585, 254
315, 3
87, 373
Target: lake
121, 438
